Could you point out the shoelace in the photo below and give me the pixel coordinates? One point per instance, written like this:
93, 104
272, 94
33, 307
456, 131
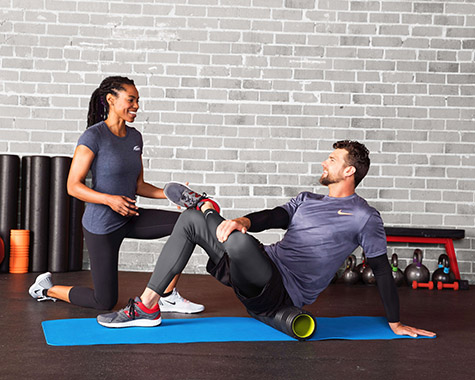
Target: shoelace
131, 308
189, 198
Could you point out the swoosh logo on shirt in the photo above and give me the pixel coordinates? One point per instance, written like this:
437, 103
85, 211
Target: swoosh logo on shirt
341, 212
136, 148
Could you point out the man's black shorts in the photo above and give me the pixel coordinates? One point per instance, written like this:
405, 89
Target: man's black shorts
273, 297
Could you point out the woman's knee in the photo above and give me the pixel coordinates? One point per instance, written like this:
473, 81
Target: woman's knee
105, 302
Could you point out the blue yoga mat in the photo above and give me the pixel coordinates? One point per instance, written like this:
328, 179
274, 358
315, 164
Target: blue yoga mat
83, 332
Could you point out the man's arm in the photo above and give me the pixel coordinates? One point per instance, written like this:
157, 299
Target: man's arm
389, 295
386, 286
254, 222
267, 219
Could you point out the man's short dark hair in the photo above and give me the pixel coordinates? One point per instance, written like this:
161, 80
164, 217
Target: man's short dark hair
358, 157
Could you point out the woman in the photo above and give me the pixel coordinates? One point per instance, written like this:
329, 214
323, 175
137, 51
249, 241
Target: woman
113, 152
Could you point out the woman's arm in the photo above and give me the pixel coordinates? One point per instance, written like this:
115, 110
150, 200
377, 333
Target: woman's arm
82, 161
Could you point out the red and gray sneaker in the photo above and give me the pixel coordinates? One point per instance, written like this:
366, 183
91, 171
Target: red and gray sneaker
134, 314
183, 196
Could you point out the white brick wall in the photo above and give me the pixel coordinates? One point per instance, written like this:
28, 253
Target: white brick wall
243, 98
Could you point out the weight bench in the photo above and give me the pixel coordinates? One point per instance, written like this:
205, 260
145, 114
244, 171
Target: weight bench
428, 236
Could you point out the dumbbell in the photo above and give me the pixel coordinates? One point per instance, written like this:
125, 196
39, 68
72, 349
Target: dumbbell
429, 285
454, 286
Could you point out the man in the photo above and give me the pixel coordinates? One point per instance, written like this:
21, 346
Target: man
322, 230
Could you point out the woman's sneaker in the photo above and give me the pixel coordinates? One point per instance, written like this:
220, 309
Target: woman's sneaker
183, 196
134, 314
42, 284
175, 303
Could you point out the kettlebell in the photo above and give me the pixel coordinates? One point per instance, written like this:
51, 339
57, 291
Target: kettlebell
360, 267
397, 273
416, 271
443, 273
368, 275
350, 275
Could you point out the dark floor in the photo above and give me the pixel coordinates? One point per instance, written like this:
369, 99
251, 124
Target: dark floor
24, 353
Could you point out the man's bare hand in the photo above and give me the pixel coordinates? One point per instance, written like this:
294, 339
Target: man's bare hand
400, 329
226, 227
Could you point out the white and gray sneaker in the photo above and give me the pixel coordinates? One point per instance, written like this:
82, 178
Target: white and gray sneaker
43, 282
175, 303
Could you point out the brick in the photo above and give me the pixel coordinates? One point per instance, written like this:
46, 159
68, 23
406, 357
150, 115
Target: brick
300, 4
460, 33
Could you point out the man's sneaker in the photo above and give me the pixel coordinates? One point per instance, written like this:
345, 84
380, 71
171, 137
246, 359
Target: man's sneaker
183, 196
37, 290
134, 314
175, 303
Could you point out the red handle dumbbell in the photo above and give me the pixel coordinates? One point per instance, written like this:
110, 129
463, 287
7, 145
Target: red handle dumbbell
441, 285
429, 285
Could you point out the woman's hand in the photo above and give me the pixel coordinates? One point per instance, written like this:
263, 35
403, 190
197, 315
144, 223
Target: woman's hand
122, 205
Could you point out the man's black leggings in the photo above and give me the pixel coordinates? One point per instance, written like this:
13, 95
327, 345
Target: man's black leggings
250, 268
104, 255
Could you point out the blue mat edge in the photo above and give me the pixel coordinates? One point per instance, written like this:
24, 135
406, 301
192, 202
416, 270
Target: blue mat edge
271, 334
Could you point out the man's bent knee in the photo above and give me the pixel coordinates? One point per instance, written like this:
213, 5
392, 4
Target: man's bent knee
190, 217
238, 244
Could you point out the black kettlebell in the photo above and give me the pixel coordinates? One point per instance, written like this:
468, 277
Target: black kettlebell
368, 275
397, 273
416, 271
350, 275
360, 267
443, 273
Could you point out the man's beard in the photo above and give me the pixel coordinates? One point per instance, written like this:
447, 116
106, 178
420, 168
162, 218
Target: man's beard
328, 180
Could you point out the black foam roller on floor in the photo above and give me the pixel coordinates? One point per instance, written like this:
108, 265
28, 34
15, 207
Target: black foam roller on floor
295, 322
58, 255
37, 208
76, 209
9, 186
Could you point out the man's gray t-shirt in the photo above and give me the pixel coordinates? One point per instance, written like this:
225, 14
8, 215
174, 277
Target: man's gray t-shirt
116, 167
322, 232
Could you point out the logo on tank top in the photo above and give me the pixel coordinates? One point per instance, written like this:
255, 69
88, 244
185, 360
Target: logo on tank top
341, 212
136, 148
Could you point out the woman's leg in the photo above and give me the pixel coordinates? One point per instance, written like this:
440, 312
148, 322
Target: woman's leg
104, 256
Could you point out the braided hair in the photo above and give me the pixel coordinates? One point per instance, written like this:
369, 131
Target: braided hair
98, 106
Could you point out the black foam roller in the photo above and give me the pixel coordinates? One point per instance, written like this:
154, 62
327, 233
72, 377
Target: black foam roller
25, 192
9, 186
37, 180
58, 255
291, 320
76, 209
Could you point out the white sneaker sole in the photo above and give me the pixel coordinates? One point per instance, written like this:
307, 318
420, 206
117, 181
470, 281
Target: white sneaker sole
40, 278
134, 323
165, 309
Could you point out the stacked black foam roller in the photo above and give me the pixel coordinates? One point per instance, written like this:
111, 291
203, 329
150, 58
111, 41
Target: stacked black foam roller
51, 215
9, 178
